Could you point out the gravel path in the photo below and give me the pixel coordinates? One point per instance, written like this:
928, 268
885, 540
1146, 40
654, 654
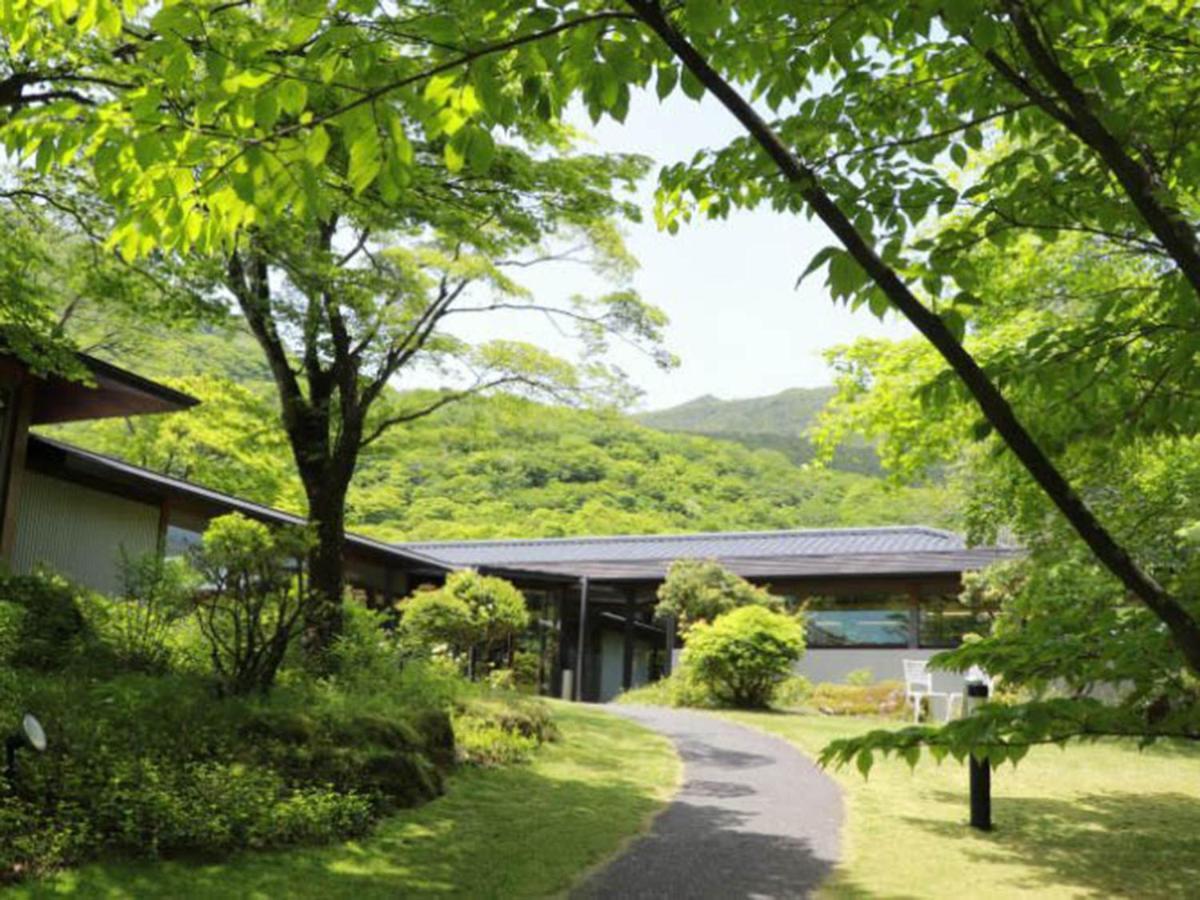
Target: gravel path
754, 818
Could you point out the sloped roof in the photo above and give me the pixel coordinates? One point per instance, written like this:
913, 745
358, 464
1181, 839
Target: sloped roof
747, 545
108, 470
112, 391
905, 550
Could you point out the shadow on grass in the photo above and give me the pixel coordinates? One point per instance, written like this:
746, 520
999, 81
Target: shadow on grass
1143, 845
507, 832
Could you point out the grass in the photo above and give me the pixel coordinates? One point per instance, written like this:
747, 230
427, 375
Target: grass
1102, 820
519, 831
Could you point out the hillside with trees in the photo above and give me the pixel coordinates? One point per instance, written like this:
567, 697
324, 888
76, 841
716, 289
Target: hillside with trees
775, 422
488, 466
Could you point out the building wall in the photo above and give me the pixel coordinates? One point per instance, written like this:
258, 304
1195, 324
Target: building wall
79, 532
886, 664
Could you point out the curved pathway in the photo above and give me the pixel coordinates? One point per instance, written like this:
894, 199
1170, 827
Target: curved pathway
754, 818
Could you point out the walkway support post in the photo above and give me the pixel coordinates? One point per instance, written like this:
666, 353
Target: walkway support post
579, 653
669, 628
630, 618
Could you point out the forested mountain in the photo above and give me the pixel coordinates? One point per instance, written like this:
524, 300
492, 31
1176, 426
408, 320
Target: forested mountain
493, 466
775, 422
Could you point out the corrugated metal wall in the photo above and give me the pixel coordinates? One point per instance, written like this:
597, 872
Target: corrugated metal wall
79, 532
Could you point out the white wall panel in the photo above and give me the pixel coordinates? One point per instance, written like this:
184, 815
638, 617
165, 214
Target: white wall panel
79, 532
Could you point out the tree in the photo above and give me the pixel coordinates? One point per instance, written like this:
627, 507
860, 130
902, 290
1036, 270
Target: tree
252, 599
1090, 103
338, 327
471, 614
696, 591
1089, 371
743, 654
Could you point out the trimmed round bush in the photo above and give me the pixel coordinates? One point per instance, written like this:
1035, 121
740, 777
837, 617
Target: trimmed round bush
744, 655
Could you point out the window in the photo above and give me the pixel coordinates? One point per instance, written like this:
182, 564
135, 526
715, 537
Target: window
881, 620
945, 621
180, 541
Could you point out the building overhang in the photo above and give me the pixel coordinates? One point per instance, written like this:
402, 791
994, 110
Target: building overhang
109, 391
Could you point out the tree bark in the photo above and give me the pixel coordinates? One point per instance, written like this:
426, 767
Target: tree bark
326, 573
1184, 629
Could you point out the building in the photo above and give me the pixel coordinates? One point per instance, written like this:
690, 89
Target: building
78, 512
874, 596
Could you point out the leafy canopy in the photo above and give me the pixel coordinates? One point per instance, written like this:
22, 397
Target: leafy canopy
696, 591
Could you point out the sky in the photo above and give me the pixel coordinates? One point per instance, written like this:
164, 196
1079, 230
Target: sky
737, 321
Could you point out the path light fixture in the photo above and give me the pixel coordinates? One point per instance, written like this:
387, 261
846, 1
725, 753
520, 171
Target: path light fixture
978, 688
30, 735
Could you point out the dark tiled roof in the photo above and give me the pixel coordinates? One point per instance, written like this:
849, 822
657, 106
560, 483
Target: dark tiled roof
746, 545
940, 562
829, 552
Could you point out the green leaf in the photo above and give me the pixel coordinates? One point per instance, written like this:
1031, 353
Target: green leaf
668, 78
456, 151
293, 95
481, 150
266, 109
366, 158
691, 85
819, 259
864, 760
317, 146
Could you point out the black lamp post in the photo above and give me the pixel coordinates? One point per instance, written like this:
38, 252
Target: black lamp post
980, 769
31, 735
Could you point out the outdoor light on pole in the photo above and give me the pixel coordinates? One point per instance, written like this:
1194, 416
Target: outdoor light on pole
31, 735
980, 770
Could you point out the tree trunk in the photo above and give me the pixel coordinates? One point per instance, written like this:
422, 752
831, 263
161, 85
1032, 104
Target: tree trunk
326, 573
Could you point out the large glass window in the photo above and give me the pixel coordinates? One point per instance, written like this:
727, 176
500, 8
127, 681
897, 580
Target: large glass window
873, 621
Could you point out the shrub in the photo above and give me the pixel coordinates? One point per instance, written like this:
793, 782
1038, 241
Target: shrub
860, 677
12, 617
681, 688
701, 590
435, 620
470, 616
252, 601
52, 629
881, 698
483, 742
502, 680
365, 651
491, 731
136, 627
793, 692
387, 759
744, 654
526, 670
155, 766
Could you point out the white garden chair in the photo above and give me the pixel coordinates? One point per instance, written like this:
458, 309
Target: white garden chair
918, 687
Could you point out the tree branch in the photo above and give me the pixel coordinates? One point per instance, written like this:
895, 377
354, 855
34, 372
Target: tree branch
992, 403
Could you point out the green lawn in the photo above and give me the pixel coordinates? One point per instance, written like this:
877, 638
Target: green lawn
1091, 821
521, 831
